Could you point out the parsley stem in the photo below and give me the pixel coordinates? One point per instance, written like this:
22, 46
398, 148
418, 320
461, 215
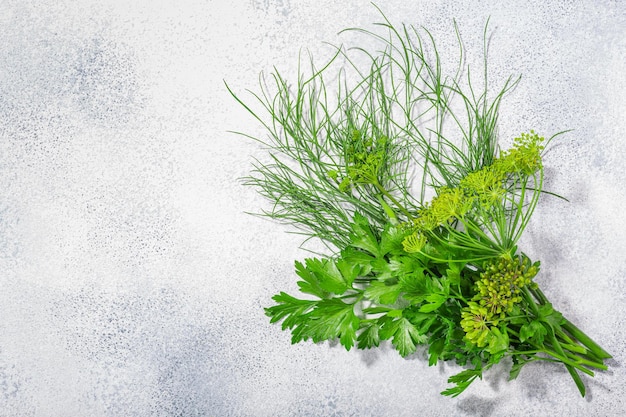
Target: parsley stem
575, 331
570, 368
587, 362
586, 340
559, 354
574, 348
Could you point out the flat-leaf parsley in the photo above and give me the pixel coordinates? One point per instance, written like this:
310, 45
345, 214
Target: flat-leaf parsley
395, 166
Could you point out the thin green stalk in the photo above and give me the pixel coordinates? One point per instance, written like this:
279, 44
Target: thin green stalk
393, 200
586, 340
570, 368
576, 332
587, 362
557, 346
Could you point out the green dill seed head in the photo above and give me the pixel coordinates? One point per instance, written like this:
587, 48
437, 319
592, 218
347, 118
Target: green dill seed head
476, 323
497, 293
500, 285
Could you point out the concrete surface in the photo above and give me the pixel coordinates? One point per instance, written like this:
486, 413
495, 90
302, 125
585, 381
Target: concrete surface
131, 281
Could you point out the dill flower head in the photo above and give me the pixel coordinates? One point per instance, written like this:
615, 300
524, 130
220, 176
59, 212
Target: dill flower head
476, 323
500, 285
449, 204
414, 242
365, 167
365, 159
486, 185
498, 290
425, 221
524, 156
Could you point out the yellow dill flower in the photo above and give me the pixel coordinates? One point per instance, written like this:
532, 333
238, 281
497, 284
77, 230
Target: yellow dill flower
450, 203
425, 220
524, 156
486, 185
414, 242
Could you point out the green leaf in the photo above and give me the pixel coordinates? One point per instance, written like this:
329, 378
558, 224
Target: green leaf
517, 367
349, 271
545, 310
331, 319
414, 286
403, 264
383, 292
516, 316
434, 302
359, 258
316, 320
328, 275
434, 350
377, 310
462, 381
383, 269
362, 235
549, 315
391, 240
395, 267
454, 272
310, 283
534, 330
291, 309
300, 332
404, 335
498, 341
423, 321
295, 312
369, 338
398, 312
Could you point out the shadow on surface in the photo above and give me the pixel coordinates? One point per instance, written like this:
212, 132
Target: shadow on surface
476, 406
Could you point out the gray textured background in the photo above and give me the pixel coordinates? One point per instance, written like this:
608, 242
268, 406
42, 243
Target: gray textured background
131, 281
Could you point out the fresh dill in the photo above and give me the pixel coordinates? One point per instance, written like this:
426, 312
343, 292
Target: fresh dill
395, 166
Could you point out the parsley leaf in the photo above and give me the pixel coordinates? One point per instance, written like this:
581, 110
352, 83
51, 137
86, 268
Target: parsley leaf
289, 308
325, 274
534, 330
369, 336
363, 237
331, 319
383, 292
405, 336
462, 380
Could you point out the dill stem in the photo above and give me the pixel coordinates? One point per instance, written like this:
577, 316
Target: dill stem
393, 200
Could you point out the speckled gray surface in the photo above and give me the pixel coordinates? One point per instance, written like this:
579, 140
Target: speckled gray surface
131, 281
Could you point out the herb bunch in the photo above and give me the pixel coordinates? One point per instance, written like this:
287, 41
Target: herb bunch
395, 166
